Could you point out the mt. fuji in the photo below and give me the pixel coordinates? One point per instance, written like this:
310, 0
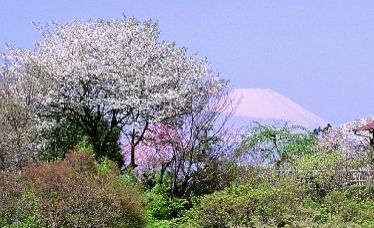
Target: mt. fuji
265, 104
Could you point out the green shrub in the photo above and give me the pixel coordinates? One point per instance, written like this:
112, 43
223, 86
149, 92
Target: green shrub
248, 205
83, 145
350, 208
162, 207
17, 203
71, 193
283, 203
322, 171
105, 166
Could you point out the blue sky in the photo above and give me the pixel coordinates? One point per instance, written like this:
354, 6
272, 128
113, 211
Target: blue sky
320, 54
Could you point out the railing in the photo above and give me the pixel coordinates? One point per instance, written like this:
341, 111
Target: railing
341, 177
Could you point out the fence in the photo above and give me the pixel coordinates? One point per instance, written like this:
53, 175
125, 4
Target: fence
342, 177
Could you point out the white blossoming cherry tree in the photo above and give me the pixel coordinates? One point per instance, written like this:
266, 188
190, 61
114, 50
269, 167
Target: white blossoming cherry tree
115, 72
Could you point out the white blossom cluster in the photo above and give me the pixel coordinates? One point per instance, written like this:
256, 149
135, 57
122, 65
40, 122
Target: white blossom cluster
118, 65
116, 68
345, 139
18, 123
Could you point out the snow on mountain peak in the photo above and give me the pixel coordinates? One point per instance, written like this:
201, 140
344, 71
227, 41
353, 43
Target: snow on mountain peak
267, 104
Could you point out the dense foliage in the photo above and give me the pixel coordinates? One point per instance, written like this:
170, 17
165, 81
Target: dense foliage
74, 192
285, 203
104, 125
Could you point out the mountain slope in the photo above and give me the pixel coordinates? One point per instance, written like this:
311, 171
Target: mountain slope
269, 105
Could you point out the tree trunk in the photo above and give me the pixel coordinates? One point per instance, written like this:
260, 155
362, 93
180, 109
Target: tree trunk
132, 151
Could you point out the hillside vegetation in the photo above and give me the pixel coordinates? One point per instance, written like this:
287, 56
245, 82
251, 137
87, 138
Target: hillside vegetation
104, 125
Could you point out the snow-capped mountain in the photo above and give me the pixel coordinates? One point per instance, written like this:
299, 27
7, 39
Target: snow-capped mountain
265, 104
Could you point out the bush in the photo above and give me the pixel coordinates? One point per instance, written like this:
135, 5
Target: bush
72, 193
324, 171
162, 207
251, 205
283, 203
17, 208
348, 207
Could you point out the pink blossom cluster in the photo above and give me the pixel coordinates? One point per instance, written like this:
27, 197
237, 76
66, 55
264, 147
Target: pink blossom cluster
156, 148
